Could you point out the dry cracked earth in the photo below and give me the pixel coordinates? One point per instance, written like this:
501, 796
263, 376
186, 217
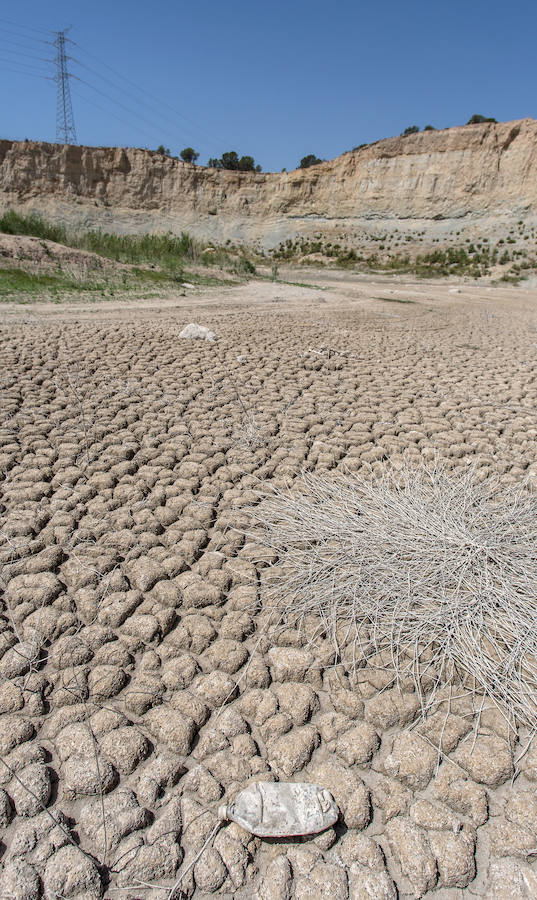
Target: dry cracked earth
137, 691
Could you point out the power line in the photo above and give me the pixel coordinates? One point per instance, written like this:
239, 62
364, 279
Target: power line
25, 27
26, 37
85, 99
22, 72
24, 65
22, 46
135, 113
25, 55
65, 121
154, 98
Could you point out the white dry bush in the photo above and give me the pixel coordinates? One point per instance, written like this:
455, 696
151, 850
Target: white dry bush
434, 569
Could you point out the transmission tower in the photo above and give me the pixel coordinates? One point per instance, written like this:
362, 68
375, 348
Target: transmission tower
65, 122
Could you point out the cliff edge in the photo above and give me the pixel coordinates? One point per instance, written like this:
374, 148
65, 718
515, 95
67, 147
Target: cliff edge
472, 177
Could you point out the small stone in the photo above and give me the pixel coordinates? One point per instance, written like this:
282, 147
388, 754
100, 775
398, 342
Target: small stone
228, 767
166, 593
31, 790
37, 590
348, 703
215, 689
143, 629
197, 593
151, 863
177, 730
19, 881
14, 730
199, 781
234, 855
488, 759
126, 748
179, 672
19, 758
144, 692
143, 573
122, 815
365, 884
347, 789
277, 881
258, 705
82, 777
381, 711
511, 879
191, 706
11, 698
358, 745
508, 839
276, 726
224, 654
291, 752
432, 815
116, 608
411, 760
71, 686
198, 332
257, 674
521, 808
461, 794
443, 731
210, 741
18, 659
6, 810
161, 772
209, 871
289, 664
106, 681
231, 723
529, 762
409, 845
326, 881
300, 701
362, 849
70, 874
391, 797
454, 857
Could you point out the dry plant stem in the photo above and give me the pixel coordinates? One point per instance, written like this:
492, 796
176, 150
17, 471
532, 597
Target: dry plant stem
429, 568
192, 863
45, 810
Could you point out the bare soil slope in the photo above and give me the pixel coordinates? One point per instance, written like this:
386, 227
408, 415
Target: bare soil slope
474, 181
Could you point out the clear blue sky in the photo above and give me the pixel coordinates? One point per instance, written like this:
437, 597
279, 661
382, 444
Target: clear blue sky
273, 80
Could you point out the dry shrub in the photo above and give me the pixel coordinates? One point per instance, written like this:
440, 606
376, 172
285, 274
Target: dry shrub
431, 571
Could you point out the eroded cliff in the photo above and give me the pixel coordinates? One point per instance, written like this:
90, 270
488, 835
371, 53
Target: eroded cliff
476, 179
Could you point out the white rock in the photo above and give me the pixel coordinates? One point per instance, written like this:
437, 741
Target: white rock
198, 332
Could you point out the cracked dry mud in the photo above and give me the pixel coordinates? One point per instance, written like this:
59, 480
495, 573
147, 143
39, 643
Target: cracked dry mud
136, 691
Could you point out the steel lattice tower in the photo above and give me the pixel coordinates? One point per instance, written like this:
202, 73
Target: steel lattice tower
65, 122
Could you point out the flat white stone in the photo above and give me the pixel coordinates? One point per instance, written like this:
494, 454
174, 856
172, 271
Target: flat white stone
198, 332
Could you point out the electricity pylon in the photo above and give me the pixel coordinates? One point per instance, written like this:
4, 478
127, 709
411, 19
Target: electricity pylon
65, 122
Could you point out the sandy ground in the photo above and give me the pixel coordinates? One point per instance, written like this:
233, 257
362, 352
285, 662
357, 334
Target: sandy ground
136, 693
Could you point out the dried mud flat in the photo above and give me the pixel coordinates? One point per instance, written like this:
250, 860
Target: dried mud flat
137, 692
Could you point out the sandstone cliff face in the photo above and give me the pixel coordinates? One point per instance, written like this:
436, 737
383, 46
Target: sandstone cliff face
476, 176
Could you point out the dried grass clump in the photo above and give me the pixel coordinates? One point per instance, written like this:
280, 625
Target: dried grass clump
432, 568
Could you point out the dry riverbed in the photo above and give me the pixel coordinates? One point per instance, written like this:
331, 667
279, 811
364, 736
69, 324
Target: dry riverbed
136, 689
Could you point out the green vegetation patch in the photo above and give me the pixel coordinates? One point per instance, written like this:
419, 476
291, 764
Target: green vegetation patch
17, 281
393, 300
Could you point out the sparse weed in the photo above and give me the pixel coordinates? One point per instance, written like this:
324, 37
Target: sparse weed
430, 568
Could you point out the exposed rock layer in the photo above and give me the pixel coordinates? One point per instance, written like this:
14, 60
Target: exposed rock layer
477, 176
